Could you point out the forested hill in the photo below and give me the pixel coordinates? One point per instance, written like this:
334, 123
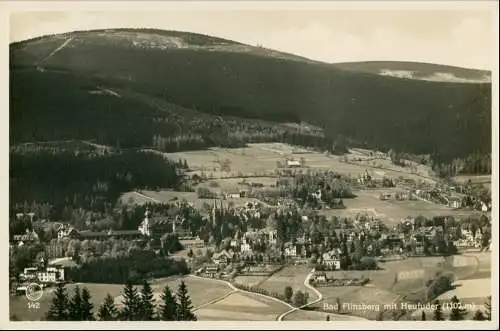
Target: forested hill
78, 83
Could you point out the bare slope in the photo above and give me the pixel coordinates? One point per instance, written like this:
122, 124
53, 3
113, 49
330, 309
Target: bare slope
419, 71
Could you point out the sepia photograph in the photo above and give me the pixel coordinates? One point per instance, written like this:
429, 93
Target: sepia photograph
222, 162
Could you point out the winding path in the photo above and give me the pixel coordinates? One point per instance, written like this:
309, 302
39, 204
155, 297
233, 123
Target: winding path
281, 316
235, 290
312, 288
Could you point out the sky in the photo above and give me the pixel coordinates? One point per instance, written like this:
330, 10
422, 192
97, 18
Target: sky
453, 37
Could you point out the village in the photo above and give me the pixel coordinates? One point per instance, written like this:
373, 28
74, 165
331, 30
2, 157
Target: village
342, 246
237, 235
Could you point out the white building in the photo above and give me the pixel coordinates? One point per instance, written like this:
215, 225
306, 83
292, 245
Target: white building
484, 207
290, 250
317, 195
145, 226
51, 275
66, 231
245, 246
273, 237
292, 164
331, 259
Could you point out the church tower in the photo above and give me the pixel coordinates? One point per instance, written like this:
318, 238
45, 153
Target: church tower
146, 224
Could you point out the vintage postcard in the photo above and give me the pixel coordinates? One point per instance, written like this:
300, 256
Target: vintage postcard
253, 165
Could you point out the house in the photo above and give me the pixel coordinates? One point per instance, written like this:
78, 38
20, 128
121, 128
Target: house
316, 195
67, 231
386, 196
245, 246
234, 243
195, 242
51, 275
455, 203
331, 259
233, 196
320, 277
290, 250
484, 207
478, 239
211, 270
124, 234
29, 274
223, 258
461, 243
292, 164
272, 236
27, 237
405, 195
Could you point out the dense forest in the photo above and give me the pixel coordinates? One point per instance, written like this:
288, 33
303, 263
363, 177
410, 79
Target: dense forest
137, 267
134, 120
88, 181
87, 87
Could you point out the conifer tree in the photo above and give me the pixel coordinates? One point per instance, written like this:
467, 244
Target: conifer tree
58, 310
168, 310
131, 303
487, 307
438, 312
108, 311
147, 306
87, 306
478, 316
423, 316
457, 313
75, 305
184, 312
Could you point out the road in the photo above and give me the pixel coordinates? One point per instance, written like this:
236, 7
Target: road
312, 288
235, 290
280, 317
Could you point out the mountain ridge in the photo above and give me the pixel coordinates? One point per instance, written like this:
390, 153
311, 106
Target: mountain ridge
246, 82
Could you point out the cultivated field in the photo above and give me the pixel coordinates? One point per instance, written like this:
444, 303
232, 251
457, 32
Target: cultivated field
234, 185
472, 283
201, 292
242, 307
381, 165
473, 178
398, 281
250, 280
258, 163
261, 159
293, 276
368, 201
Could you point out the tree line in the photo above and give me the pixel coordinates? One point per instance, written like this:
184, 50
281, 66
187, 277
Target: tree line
457, 312
56, 181
134, 267
136, 305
